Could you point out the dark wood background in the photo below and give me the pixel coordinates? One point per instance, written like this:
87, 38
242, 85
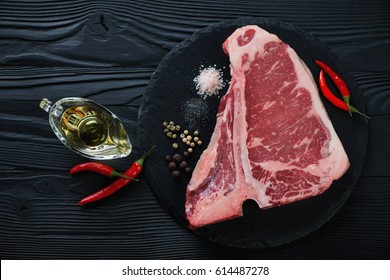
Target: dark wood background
107, 51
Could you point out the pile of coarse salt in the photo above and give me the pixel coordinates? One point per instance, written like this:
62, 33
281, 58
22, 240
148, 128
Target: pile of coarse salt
209, 81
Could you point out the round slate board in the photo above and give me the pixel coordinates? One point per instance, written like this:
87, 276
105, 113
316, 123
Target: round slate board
172, 86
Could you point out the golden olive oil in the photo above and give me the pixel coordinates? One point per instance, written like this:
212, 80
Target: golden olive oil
88, 128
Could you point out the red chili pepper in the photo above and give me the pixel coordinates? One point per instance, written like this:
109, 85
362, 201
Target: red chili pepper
132, 172
334, 99
339, 82
98, 168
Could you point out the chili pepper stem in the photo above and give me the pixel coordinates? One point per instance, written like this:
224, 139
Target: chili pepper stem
354, 110
115, 173
141, 160
346, 100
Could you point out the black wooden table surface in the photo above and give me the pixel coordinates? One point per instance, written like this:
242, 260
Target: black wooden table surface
107, 51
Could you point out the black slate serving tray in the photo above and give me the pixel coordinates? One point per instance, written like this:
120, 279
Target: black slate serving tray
172, 85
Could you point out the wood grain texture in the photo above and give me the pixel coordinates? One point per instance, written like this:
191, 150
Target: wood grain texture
107, 51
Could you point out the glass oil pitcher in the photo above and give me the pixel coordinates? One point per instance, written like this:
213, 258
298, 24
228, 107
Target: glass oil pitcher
88, 128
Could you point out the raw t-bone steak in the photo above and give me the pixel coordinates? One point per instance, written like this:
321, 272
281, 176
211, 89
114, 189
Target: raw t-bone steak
273, 141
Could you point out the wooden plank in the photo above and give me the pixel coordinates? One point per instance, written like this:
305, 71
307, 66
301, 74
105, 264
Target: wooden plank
135, 226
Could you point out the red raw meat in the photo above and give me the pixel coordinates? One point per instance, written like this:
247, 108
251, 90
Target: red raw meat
273, 141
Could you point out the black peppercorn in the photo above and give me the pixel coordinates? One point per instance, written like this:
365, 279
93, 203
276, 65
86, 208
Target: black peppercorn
183, 164
177, 158
172, 165
176, 174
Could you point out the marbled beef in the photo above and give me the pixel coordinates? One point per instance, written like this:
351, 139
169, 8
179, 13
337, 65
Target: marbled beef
273, 141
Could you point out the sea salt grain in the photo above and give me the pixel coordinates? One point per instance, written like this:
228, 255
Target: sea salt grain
209, 81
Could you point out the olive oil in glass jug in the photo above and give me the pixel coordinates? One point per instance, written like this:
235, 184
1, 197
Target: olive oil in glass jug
88, 128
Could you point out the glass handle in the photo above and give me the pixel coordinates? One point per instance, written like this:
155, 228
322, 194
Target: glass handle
45, 104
